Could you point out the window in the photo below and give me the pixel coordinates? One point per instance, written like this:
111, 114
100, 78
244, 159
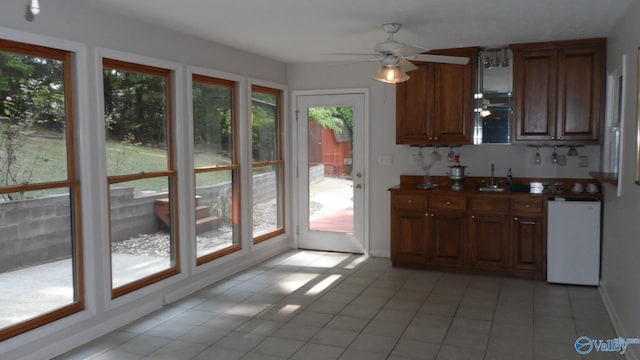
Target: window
141, 175
40, 257
268, 163
217, 169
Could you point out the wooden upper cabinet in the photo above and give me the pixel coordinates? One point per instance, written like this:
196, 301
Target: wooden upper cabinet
535, 80
435, 106
411, 107
559, 91
581, 86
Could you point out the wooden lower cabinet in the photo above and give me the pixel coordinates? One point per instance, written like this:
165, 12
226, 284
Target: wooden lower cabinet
409, 229
445, 238
528, 241
489, 241
484, 235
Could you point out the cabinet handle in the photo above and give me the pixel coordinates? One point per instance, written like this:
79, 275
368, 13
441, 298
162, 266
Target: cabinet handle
410, 201
432, 214
527, 206
430, 137
528, 222
426, 214
515, 219
435, 138
553, 138
448, 202
473, 216
559, 137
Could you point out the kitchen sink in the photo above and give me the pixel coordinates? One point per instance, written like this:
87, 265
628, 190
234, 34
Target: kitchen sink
491, 189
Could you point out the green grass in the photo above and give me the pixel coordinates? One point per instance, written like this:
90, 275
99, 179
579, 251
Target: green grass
44, 159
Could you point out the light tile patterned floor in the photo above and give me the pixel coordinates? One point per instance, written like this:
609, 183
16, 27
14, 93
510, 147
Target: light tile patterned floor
316, 305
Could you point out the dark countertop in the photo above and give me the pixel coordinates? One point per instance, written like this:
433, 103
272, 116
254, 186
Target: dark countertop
408, 183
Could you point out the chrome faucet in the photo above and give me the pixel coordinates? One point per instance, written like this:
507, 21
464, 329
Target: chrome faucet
493, 169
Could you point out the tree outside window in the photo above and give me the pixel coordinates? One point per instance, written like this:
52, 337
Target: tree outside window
268, 163
141, 175
40, 217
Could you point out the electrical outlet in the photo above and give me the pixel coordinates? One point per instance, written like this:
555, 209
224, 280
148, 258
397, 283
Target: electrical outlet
583, 161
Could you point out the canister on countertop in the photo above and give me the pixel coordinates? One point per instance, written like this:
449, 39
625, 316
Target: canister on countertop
536, 187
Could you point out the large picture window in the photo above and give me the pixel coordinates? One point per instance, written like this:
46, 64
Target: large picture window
141, 175
40, 246
268, 163
215, 158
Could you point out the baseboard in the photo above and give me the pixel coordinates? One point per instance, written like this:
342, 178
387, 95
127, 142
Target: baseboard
631, 353
380, 253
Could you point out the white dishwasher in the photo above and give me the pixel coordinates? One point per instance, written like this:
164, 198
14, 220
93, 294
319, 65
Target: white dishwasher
573, 241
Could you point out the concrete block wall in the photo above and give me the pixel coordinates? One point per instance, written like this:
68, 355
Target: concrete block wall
34, 231
131, 215
37, 231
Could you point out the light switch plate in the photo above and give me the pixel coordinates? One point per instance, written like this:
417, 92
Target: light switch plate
386, 159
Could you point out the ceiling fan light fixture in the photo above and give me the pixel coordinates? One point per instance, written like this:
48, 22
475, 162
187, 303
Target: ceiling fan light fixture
391, 75
35, 7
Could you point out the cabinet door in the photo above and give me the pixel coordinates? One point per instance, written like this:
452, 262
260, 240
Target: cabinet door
411, 107
535, 79
580, 93
436, 104
528, 243
453, 99
489, 241
445, 238
407, 236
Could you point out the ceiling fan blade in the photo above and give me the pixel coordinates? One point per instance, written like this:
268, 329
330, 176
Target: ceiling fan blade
408, 50
347, 63
457, 60
357, 54
406, 65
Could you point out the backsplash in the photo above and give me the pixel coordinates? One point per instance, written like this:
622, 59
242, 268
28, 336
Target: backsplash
520, 158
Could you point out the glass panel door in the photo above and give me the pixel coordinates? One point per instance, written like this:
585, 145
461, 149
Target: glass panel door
331, 163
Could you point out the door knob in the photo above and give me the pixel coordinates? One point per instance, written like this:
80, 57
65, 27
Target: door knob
358, 186
359, 175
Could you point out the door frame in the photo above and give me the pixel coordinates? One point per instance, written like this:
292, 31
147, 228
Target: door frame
295, 158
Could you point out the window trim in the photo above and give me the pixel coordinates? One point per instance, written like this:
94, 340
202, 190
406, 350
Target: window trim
72, 184
236, 187
171, 174
280, 94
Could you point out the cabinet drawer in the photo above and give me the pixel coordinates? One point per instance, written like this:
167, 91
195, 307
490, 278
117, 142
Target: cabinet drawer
527, 205
409, 201
489, 203
448, 203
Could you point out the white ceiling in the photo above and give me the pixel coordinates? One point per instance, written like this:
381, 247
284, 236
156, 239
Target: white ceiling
295, 31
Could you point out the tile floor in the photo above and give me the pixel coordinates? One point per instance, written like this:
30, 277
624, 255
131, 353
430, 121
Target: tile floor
317, 305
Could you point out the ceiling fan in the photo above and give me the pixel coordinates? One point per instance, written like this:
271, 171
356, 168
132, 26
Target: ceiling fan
394, 57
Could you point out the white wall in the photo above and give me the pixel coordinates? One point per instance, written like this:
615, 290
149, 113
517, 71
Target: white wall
75, 21
382, 131
73, 25
621, 243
